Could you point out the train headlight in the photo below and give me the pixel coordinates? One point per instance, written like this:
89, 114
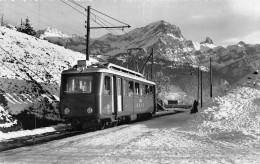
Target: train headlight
89, 110
66, 111
80, 69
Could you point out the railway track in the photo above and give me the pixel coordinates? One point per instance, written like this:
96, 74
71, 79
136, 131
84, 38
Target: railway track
60, 134
37, 139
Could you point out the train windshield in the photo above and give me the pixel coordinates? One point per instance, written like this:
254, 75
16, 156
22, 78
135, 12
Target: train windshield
80, 84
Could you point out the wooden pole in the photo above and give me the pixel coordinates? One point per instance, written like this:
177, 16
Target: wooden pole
201, 89
210, 78
88, 34
152, 67
198, 94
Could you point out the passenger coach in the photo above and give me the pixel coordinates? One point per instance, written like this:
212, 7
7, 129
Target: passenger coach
98, 95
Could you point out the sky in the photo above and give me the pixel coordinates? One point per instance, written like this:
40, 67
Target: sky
224, 21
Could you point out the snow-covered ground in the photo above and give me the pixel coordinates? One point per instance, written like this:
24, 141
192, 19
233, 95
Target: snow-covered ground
226, 130
22, 133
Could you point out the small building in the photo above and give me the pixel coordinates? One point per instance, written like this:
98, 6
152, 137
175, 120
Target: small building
172, 102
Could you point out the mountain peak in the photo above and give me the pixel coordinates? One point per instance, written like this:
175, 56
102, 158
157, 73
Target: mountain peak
51, 32
162, 22
241, 43
208, 40
166, 28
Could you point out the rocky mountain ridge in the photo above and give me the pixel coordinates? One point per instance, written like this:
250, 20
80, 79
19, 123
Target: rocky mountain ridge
168, 43
166, 40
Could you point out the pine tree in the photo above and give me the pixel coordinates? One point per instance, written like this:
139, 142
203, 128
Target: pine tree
26, 28
2, 21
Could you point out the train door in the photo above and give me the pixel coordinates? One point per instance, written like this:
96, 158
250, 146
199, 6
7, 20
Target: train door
128, 97
119, 95
131, 96
107, 96
149, 98
136, 98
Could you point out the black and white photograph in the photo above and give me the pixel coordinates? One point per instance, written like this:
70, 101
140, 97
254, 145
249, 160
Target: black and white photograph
130, 81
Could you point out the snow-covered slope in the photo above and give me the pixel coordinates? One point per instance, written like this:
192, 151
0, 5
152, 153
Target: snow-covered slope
30, 70
235, 112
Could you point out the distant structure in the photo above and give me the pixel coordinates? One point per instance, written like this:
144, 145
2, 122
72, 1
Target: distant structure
172, 102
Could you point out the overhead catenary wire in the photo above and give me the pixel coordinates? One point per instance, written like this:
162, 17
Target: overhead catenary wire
85, 14
98, 12
74, 2
110, 17
111, 30
104, 25
100, 21
101, 18
73, 8
78, 4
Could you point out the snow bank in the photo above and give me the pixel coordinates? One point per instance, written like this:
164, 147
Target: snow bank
6, 119
238, 111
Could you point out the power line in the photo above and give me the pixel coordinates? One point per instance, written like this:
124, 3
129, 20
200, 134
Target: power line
74, 8
97, 17
81, 12
100, 24
103, 24
110, 17
102, 19
78, 4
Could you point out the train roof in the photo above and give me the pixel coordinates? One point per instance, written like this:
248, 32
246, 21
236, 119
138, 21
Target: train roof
84, 66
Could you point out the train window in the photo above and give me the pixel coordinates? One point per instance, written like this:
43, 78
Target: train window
147, 89
81, 84
107, 85
137, 89
125, 87
130, 88
151, 90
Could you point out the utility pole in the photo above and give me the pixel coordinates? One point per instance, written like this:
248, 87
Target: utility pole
88, 28
210, 69
201, 88
198, 94
88, 33
152, 66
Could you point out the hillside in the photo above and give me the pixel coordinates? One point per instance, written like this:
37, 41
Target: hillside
30, 73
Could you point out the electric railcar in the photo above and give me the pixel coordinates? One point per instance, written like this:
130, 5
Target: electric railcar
98, 95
